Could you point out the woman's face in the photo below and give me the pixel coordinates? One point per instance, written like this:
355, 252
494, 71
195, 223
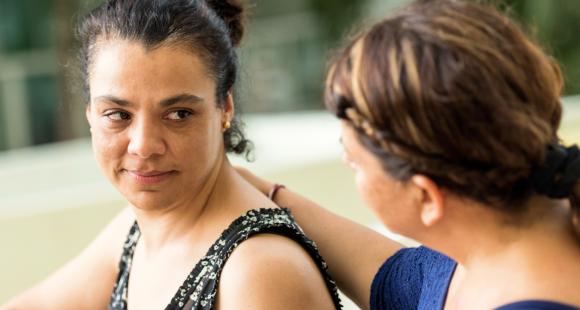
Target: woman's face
156, 128
389, 199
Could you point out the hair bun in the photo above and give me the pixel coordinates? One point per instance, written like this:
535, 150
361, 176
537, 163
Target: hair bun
558, 176
232, 12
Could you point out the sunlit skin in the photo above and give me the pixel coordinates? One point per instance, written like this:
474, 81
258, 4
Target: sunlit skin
157, 134
420, 209
376, 187
156, 128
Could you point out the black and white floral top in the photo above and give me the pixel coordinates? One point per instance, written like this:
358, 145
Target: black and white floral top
198, 291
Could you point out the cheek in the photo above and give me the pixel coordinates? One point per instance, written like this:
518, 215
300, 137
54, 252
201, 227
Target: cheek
107, 148
383, 197
198, 146
199, 138
369, 187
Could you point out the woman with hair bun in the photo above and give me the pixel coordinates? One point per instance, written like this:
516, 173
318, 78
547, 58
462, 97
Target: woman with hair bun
450, 119
158, 76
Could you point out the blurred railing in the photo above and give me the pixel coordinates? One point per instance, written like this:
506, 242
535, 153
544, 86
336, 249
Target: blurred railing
36, 108
15, 123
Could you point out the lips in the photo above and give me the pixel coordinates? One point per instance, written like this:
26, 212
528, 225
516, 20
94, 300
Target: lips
149, 177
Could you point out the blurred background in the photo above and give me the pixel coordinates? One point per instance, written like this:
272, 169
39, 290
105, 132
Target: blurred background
53, 200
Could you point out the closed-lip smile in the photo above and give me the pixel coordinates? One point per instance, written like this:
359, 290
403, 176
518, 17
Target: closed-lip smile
149, 177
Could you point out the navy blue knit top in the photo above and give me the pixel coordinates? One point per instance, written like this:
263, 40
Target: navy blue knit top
418, 278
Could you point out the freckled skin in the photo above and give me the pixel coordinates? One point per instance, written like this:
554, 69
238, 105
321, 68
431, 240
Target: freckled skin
385, 196
183, 141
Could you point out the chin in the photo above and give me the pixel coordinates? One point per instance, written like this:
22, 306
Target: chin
149, 200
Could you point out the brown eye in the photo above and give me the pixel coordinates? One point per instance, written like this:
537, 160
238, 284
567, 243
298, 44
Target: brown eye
118, 116
179, 115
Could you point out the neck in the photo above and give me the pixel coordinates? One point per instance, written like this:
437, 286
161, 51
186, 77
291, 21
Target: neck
478, 236
167, 226
537, 259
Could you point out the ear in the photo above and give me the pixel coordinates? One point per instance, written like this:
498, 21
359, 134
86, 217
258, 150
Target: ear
431, 199
228, 109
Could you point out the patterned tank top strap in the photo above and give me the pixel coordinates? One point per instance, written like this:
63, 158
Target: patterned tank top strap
199, 289
119, 296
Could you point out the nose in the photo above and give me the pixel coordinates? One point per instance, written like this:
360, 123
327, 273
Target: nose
146, 140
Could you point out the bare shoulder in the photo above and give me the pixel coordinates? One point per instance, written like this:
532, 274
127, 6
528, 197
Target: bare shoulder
269, 271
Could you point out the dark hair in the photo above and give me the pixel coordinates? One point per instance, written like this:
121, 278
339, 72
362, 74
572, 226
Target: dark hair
210, 28
455, 91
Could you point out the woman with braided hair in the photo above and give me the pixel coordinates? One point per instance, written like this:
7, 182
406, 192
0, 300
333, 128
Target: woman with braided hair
450, 119
159, 76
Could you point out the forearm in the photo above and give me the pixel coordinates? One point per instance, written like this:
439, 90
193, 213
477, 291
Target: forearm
67, 288
36, 299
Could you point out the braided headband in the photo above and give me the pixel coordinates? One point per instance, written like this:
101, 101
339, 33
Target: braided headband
381, 137
555, 179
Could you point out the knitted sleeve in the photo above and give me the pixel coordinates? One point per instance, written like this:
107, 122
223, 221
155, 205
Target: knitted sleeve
397, 284
413, 278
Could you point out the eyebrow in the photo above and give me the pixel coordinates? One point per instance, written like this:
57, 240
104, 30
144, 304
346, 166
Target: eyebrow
113, 99
182, 98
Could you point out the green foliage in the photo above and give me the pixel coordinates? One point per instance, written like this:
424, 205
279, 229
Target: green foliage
556, 25
25, 25
336, 17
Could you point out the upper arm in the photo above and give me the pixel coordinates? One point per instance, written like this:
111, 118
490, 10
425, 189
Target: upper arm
85, 282
272, 272
354, 253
